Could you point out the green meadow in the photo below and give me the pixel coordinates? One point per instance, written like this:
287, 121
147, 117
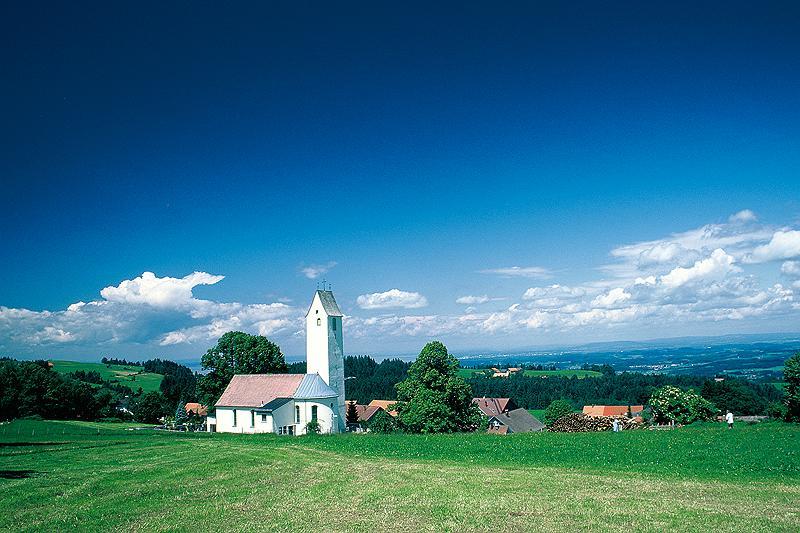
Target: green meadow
127, 375
470, 372
72, 475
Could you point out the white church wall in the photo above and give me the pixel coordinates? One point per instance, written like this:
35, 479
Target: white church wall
247, 421
324, 414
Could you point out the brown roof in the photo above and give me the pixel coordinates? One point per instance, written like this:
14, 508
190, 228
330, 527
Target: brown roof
611, 410
365, 412
384, 404
500, 430
493, 406
254, 390
194, 407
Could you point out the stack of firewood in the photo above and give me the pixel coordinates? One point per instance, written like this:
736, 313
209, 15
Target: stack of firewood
579, 422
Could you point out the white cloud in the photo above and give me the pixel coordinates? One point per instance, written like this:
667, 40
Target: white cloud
612, 298
165, 292
476, 300
392, 298
714, 267
791, 268
472, 300
521, 272
315, 271
783, 245
745, 215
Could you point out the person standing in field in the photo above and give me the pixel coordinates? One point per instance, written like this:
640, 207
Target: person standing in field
729, 420
615, 425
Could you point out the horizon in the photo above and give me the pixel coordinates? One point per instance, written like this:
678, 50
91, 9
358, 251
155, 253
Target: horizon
536, 176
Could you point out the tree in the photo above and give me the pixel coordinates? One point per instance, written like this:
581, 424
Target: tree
382, 422
237, 353
150, 407
352, 414
181, 417
791, 375
557, 409
312, 428
671, 404
434, 399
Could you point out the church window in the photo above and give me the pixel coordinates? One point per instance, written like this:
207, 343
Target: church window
234, 418
252, 418
333, 324
319, 321
296, 414
263, 418
314, 413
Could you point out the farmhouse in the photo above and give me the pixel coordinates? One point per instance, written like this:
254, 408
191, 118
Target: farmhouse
285, 403
612, 410
503, 416
194, 408
365, 412
384, 404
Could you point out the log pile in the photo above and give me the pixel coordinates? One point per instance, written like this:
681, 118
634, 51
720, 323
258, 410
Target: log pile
579, 422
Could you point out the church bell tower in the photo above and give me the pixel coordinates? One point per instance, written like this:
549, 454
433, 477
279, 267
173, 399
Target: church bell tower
324, 348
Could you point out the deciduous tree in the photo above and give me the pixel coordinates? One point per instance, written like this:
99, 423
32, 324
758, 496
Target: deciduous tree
434, 399
237, 352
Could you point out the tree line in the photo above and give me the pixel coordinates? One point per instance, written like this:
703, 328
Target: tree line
627, 388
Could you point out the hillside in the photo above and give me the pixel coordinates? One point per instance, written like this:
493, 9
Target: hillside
471, 372
129, 375
701, 477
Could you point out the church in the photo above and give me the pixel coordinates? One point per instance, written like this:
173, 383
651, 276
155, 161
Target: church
285, 403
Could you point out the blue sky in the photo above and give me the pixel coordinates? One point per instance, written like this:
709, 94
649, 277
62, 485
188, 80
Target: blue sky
422, 150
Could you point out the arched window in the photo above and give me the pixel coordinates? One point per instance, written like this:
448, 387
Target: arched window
333, 324
296, 414
319, 321
314, 413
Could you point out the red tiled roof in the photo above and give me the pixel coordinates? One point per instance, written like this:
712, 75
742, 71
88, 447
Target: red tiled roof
384, 404
493, 406
254, 390
194, 407
365, 412
611, 410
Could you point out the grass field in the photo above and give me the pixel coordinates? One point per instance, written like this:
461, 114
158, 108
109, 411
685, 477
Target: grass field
126, 375
69, 475
468, 372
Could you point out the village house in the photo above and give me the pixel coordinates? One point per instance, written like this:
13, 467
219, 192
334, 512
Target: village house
286, 403
364, 412
503, 416
612, 410
384, 404
194, 408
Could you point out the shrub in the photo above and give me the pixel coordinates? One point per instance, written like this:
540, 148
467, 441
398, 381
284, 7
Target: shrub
312, 428
382, 422
671, 404
791, 374
557, 409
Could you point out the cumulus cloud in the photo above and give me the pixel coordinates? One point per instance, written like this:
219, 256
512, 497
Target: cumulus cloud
745, 215
393, 298
791, 269
165, 292
783, 245
521, 272
612, 298
476, 300
714, 267
315, 271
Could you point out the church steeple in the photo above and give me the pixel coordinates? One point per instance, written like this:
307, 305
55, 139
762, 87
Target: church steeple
324, 347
